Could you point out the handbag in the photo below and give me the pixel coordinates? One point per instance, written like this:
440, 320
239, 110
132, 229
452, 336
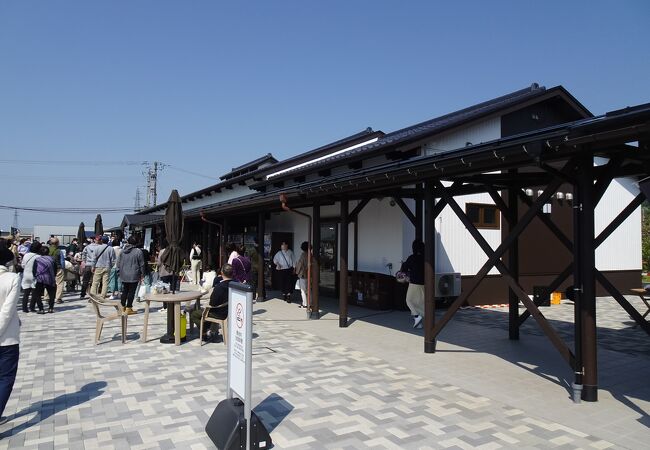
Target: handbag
402, 277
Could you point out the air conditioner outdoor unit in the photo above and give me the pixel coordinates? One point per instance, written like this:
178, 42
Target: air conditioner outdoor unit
447, 284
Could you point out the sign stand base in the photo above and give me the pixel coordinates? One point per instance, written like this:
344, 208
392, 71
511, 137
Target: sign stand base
227, 427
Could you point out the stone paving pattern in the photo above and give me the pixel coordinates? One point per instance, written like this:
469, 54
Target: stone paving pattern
310, 391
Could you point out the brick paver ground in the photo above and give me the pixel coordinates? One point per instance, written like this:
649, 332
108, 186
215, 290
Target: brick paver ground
315, 386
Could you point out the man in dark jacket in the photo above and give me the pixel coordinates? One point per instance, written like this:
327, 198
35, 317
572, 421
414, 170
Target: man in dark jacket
131, 269
219, 297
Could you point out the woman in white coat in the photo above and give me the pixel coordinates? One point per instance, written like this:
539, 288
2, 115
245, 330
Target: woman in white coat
9, 328
29, 283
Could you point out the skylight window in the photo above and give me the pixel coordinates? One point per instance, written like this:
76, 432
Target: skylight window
306, 163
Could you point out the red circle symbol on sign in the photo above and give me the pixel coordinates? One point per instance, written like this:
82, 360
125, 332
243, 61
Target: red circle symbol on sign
239, 315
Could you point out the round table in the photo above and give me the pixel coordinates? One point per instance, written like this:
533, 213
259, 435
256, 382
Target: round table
173, 316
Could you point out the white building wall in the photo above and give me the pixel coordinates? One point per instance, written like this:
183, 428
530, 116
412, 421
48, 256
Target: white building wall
64, 233
622, 250
224, 195
456, 249
381, 236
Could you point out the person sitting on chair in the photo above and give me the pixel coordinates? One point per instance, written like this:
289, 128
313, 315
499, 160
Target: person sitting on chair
219, 298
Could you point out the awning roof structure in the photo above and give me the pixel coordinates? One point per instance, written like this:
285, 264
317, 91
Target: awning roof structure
536, 147
533, 148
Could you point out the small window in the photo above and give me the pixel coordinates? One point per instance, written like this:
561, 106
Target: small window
483, 215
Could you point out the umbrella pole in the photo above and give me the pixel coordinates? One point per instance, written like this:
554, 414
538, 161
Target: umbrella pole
169, 337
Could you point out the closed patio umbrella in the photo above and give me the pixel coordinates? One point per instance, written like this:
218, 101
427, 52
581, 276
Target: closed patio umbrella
99, 226
173, 256
81, 235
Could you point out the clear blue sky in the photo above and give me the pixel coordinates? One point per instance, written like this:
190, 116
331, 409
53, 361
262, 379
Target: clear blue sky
208, 85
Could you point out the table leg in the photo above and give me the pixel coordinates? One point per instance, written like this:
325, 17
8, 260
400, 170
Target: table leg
170, 319
177, 323
146, 320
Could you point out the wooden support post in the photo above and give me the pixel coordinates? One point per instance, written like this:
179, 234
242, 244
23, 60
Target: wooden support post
418, 215
315, 311
343, 266
494, 260
224, 234
586, 267
513, 262
494, 256
260, 252
210, 247
429, 268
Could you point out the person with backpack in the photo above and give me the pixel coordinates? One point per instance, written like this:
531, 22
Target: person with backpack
59, 267
241, 268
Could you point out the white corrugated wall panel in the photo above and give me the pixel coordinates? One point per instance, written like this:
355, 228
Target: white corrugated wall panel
622, 250
456, 249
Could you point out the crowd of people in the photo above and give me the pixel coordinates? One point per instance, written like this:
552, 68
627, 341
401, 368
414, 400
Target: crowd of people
108, 267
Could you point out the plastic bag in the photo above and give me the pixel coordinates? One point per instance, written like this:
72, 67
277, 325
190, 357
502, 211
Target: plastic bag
159, 287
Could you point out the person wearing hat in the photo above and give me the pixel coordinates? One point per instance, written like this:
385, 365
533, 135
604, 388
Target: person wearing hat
9, 328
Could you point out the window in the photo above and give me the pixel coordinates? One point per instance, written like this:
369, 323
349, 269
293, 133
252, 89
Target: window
483, 215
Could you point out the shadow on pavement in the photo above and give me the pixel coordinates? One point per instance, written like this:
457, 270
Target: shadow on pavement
272, 410
47, 408
628, 345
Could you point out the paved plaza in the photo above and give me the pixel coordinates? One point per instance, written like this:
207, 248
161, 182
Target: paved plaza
319, 386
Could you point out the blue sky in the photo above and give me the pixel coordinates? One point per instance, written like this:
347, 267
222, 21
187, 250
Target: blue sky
205, 85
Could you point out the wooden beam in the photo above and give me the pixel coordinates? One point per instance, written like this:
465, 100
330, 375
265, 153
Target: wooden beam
357, 209
406, 210
429, 267
631, 310
343, 266
549, 223
550, 332
618, 220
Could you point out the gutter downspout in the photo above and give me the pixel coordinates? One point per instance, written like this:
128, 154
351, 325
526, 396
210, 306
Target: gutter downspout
283, 200
220, 233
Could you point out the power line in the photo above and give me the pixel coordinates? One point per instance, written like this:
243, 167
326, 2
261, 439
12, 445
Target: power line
45, 209
68, 179
191, 173
76, 162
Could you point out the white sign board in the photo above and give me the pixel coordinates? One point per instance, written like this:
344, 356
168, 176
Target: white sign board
147, 239
239, 342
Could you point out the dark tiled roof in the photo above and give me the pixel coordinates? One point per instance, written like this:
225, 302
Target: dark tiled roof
250, 166
306, 156
442, 123
137, 219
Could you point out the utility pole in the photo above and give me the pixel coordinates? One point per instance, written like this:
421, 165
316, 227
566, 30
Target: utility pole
137, 206
152, 177
14, 226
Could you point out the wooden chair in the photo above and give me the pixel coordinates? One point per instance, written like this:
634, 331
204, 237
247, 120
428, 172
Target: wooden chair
222, 322
197, 305
120, 314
